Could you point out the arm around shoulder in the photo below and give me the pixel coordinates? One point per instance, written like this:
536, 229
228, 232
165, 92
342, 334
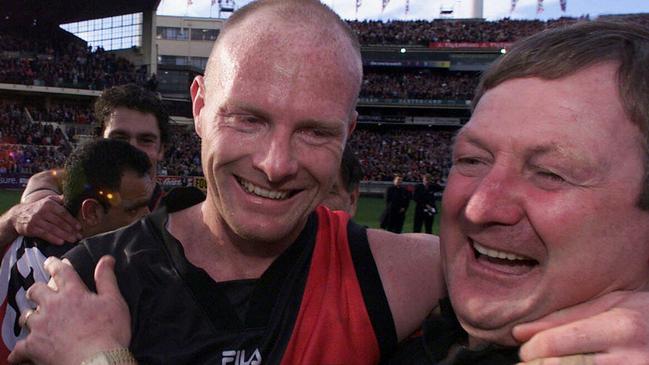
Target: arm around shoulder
410, 269
42, 184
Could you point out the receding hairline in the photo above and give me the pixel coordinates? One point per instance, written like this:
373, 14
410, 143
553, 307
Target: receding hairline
310, 13
297, 11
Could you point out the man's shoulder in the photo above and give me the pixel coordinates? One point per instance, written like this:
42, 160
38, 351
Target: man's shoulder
413, 241
410, 269
120, 243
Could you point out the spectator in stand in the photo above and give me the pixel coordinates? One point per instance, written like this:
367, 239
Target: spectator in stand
424, 32
414, 152
420, 84
63, 63
397, 199
182, 158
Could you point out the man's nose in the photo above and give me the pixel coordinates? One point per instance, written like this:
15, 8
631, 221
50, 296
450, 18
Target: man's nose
277, 157
497, 199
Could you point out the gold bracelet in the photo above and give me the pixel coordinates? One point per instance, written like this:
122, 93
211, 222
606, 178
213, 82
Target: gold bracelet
112, 357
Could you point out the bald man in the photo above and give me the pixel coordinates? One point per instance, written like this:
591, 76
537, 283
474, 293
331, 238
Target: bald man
258, 273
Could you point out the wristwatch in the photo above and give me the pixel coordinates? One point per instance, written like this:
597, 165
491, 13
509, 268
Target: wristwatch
112, 357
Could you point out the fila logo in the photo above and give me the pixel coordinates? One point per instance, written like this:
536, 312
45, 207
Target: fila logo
239, 357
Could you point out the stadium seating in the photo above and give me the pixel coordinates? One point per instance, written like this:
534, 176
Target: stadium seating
36, 131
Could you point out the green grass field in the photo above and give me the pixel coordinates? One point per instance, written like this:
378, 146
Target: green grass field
8, 198
368, 213
370, 209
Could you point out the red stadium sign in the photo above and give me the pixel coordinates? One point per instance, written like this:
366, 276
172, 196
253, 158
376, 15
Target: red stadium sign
495, 45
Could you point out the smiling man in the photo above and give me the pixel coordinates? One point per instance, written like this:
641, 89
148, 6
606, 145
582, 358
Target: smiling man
258, 272
547, 203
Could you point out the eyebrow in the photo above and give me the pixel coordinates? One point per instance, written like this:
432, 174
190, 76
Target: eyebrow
125, 133
243, 108
468, 137
247, 108
563, 152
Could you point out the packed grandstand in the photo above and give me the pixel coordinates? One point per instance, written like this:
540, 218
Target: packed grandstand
419, 78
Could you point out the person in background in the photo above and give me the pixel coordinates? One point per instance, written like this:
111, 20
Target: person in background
345, 193
127, 112
425, 205
397, 200
106, 185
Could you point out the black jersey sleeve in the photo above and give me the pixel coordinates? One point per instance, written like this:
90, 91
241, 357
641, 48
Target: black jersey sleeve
83, 263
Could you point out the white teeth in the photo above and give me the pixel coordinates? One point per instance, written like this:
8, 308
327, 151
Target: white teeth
270, 194
497, 254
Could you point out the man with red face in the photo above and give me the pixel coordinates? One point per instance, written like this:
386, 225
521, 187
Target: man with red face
258, 272
546, 204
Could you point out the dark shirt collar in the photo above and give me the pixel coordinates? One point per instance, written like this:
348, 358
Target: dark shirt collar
442, 332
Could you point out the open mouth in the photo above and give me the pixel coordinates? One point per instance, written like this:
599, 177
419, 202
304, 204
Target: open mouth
501, 257
253, 189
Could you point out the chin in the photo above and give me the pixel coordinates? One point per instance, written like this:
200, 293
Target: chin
500, 336
490, 320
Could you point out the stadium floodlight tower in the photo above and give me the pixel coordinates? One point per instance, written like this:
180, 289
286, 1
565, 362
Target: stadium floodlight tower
226, 6
477, 9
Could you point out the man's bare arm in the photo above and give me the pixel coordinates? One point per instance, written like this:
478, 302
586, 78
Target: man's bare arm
46, 218
41, 185
40, 213
611, 329
410, 269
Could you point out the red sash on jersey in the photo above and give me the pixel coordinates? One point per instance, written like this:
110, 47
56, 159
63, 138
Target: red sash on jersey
333, 326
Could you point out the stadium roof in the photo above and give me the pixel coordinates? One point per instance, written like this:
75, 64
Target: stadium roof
55, 12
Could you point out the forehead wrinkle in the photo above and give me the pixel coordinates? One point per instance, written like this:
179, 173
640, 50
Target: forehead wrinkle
587, 170
315, 41
467, 135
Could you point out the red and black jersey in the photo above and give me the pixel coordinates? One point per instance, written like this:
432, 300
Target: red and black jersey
320, 302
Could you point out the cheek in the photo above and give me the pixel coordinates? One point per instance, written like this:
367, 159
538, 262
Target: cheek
580, 216
456, 195
154, 156
321, 163
221, 146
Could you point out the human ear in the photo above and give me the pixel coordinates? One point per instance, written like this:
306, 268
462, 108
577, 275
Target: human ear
197, 91
91, 212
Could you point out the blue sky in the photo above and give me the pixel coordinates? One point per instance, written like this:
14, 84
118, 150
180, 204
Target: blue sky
430, 9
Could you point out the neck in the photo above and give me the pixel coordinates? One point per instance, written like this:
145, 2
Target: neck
479, 338
477, 343
211, 245
87, 231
